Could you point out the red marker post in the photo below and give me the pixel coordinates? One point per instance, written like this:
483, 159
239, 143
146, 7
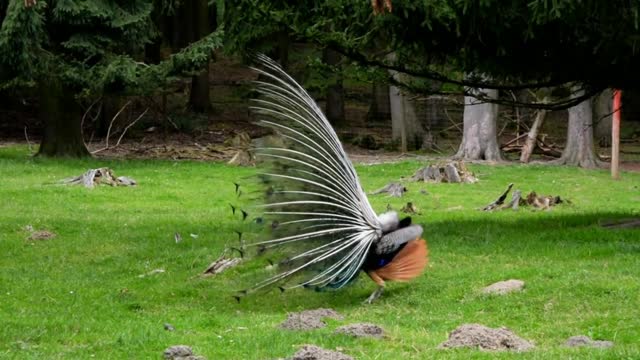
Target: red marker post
615, 135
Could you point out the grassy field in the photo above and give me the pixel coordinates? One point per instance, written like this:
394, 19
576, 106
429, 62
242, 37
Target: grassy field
79, 295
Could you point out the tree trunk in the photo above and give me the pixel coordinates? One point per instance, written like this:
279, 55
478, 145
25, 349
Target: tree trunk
530, 142
283, 48
380, 109
404, 120
479, 139
335, 91
199, 95
60, 114
602, 118
579, 149
398, 130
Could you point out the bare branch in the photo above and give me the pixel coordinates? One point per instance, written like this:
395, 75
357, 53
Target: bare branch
26, 136
111, 125
130, 125
84, 116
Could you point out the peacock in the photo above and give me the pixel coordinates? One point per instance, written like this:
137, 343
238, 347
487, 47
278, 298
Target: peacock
309, 209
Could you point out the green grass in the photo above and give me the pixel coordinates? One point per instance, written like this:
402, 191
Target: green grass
78, 296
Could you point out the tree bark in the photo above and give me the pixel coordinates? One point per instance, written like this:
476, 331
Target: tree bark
479, 139
199, 18
380, 109
398, 129
405, 126
579, 149
404, 121
60, 114
335, 91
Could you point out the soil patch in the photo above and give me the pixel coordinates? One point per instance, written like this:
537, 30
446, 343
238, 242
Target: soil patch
309, 319
361, 330
504, 287
583, 340
181, 352
41, 235
485, 338
312, 352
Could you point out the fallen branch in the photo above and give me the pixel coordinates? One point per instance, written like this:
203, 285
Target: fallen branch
110, 126
84, 116
532, 135
513, 140
221, 264
532, 199
393, 189
123, 133
499, 201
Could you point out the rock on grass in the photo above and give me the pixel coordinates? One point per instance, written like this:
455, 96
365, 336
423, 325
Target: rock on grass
361, 330
309, 319
485, 338
312, 352
583, 340
504, 287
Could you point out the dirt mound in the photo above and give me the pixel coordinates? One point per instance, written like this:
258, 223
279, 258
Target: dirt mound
312, 352
361, 330
484, 338
583, 340
504, 287
41, 235
181, 352
309, 319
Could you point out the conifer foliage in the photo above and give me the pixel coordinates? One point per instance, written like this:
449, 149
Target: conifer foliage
71, 49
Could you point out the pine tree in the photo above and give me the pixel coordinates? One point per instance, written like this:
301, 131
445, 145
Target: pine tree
69, 49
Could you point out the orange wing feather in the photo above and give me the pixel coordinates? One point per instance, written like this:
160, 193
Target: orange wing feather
407, 265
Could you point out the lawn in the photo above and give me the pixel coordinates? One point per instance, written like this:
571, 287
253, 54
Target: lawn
79, 295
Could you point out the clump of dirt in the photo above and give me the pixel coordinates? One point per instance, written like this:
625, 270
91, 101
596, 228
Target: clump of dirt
181, 352
41, 235
504, 287
583, 340
485, 338
361, 330
312, 352
309, 319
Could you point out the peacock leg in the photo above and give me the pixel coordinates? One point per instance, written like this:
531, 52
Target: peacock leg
375, 295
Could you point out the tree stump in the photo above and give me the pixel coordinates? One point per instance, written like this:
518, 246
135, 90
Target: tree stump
450, 172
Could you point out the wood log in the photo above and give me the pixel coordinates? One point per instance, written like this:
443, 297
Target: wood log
499, 201
530, 143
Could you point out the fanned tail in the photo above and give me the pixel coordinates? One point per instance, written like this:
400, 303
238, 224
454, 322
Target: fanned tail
315, 217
